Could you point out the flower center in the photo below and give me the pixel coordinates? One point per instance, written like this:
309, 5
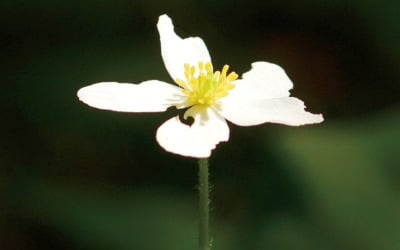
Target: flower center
203, 86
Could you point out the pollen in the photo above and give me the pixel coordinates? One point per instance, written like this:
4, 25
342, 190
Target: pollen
202, 86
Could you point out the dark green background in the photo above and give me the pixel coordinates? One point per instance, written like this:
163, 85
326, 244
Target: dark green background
73, 177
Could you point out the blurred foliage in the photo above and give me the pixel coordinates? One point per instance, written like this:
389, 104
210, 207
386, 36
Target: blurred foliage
72, 177
349, 172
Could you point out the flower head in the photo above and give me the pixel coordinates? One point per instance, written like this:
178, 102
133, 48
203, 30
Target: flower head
260, 96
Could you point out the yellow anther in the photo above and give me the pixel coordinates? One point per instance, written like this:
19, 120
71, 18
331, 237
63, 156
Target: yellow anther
209, 67
192, 70
181, 83
232, 76
201, 66
187, 71
217, 75
224, 70
187, 68
230, 86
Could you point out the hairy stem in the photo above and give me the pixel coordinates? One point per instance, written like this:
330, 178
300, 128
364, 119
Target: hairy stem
204, 203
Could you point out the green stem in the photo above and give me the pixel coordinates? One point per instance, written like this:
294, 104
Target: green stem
204, 202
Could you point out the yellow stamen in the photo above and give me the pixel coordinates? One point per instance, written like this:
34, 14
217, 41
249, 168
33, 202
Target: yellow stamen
202, 86
201, 66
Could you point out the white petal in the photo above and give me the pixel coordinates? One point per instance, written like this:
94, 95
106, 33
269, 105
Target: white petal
285, 110
196, 140
264, 80
176, 51
149, 96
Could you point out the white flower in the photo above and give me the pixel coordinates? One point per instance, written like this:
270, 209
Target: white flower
261, 96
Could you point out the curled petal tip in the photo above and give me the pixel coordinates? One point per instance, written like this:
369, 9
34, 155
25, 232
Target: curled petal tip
164, 22
319, 118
